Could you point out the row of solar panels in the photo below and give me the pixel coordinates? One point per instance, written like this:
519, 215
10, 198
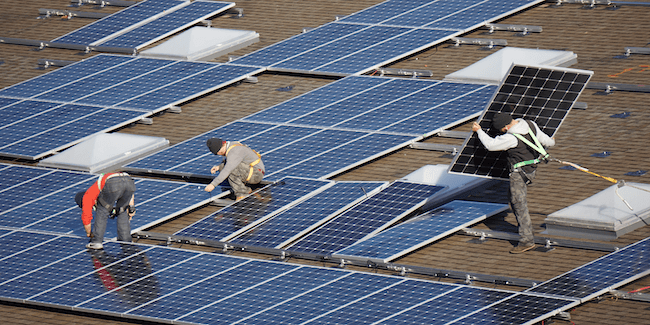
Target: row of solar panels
303, 215
142, 24
40, 199
61, 108
173, 285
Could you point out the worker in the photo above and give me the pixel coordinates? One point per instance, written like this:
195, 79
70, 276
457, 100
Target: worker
111, 196
523, 142
242, 166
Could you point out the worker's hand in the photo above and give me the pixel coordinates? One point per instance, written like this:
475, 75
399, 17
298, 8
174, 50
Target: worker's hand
475, 127
209, 188
88, 229
131, 215
214, 169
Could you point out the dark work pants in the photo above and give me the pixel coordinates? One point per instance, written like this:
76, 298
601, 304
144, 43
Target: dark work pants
519, 205
237, 179
117, 191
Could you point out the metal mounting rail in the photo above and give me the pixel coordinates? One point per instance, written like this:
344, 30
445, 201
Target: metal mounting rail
610, 87
116, 3
283, 255
71, 13
547, 242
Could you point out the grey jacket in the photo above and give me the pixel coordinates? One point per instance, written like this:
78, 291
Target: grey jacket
234, 156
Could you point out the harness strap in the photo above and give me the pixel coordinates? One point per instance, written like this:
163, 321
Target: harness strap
100, 201
537, 147
255, 162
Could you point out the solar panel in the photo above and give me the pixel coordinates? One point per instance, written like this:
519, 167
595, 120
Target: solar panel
420, 231
166, 25
541, 94
125, 19
45, 202
105, 93
253, 209
166, 284
285, 227
333, 128
379, 35
595, 278
367, 218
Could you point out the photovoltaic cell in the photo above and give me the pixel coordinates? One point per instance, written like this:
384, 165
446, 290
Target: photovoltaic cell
366, 218
100, 94
286, 226
379, 35
597, 277
129, 17
46, 201
419, 231
166, 284
252, 209
167, 24
541, 94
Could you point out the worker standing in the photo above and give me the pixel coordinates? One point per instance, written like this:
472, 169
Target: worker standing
523, 142
112, 196
242, 166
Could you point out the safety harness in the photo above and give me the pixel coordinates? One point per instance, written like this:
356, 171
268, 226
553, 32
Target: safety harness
543, 155
252, 164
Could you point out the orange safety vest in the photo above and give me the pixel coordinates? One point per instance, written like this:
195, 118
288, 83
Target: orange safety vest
257, 161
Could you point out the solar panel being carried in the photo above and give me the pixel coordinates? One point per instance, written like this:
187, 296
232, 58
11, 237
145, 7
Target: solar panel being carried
172, 285
541, 94
333, 128
43, 200
56, 110
379, 35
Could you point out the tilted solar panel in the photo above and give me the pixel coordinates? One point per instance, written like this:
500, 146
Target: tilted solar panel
125, 19
291, 224
419, 231
367, 218
45, 202
253, 209
544, 95
167, 284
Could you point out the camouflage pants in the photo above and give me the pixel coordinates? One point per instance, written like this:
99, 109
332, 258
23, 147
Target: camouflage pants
519, 205
237, 179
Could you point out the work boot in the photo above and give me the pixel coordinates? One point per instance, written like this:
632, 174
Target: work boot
522, 248
94, 246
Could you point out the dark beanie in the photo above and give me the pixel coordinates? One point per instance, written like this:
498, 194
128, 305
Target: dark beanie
500, 120
79, 198
214, 144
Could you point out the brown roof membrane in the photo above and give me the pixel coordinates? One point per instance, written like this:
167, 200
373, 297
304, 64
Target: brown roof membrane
595, 35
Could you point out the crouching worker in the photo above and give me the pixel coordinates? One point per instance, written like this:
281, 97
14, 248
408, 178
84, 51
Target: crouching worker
111, 196
242, 166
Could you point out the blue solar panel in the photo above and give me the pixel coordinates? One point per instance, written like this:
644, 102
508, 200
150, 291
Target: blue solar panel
168, 24
58, 128
317, 99
46, 202
366, 218
7, 101
63, 76
111, 77
145, 83
343, 157
253, 209
298, 44
379, 35
284, 227
191, 87
595, 278
126, 18
173, 285
415, 233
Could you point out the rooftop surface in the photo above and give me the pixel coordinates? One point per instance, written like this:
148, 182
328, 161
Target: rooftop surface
596, 35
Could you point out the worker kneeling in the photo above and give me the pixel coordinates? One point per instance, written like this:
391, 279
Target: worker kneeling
111, 196
242, 166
